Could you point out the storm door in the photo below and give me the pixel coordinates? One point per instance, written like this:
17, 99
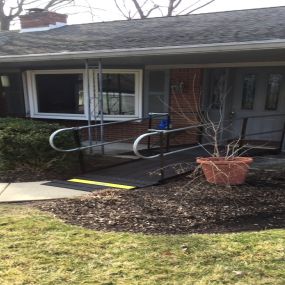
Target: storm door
259, 95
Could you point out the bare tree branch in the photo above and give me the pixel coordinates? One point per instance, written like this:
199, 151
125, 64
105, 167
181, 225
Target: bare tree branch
139, 9
127, 16
202, 6
144, 8
173, 4
182, 12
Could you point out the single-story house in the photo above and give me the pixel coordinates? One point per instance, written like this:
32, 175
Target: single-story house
49, 70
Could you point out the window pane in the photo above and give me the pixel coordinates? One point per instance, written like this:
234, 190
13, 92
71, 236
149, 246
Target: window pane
218, 89
273, 90
157, 103
119, 94
157, 93
156, 81
60, 93
248, 91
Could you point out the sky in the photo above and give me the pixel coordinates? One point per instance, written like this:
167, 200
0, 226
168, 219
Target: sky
106, 10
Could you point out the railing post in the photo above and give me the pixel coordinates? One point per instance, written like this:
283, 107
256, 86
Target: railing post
167, 135
149, 127
282, 138
243, 132
80, 153
161, 156
201, 129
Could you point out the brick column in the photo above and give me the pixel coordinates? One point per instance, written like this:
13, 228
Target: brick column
185, 95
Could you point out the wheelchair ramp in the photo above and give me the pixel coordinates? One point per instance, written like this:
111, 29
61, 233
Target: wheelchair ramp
133, 174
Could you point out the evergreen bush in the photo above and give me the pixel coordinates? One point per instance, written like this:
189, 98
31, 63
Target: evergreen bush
24, 143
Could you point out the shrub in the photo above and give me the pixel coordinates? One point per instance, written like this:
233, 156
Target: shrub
25, 143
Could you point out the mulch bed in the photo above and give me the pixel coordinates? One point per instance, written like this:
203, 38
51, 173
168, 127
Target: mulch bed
26, 174
180, 207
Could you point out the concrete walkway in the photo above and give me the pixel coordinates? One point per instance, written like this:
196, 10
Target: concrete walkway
30, 191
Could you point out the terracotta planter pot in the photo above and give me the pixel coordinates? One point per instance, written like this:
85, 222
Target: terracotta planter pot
222, 171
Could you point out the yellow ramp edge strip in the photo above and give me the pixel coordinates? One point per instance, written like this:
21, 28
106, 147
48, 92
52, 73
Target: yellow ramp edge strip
98, 183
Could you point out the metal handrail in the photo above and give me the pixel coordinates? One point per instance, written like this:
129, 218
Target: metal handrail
260, 116
77, 129
264, 133
163, 132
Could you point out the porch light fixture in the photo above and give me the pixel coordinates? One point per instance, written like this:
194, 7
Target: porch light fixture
5, 81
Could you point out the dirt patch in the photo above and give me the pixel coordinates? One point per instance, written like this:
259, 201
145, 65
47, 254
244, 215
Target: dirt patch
180, 207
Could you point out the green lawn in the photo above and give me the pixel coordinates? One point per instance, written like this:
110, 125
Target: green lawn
36, 248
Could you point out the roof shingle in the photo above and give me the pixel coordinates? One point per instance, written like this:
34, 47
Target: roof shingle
211, 28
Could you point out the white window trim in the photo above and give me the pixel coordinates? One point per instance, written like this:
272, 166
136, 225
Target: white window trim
33, 100
26, 96
138, 92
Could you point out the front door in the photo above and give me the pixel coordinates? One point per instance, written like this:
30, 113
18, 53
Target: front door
259, 94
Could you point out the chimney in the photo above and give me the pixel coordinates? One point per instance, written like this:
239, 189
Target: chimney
41, 20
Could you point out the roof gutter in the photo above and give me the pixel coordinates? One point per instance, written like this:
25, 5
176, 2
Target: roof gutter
152, 51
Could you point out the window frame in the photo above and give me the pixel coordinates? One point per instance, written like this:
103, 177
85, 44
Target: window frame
33, 98
268, 91
93, 74
243, 101
138, 92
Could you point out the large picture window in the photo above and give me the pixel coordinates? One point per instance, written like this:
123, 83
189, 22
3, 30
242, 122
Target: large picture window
57, 94
60, 93
63, 94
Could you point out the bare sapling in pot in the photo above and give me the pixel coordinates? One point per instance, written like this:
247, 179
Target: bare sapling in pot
225, 163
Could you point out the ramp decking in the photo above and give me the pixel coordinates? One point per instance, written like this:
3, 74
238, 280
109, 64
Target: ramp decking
133, 174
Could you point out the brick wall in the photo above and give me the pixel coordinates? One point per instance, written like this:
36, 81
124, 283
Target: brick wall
184, 102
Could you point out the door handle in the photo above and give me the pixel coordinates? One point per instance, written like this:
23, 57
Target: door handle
232, 114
